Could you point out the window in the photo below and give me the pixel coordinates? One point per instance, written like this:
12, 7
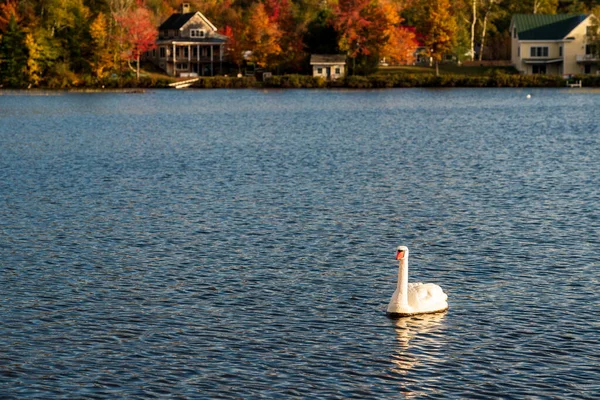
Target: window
590, 49
153, 52
539, 69
197, 33
515, 32
588, 69
195, 52
519, 51
560, 51
337, 71
182, 66
204, 52
539, 51
319, 71
163, 52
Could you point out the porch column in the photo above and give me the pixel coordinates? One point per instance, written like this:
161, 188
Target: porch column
221, 59
174, 61
211, 60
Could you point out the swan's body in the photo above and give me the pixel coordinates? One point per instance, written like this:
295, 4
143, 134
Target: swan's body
414, 298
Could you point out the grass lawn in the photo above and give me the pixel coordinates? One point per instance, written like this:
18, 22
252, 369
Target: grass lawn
445, 69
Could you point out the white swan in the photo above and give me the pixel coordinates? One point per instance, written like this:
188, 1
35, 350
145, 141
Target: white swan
414, 298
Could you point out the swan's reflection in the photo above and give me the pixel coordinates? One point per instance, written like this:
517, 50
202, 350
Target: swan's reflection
418, 345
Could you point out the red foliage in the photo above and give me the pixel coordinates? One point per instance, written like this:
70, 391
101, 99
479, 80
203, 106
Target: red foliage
140, 31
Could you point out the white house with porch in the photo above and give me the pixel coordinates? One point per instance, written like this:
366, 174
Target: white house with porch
188, 45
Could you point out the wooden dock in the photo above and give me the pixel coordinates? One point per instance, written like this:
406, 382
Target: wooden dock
183, 84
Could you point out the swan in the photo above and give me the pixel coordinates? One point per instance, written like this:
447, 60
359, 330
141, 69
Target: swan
414, 298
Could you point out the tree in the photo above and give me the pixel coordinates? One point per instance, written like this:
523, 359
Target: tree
140, 34
8, 11
263, 36
13, 60
438, 30
365, 27
489, 8
401, 46
281, 13
594, 37
352, 26
544, 6
102, 59
320, 36
34, 67
473, 23
235, 44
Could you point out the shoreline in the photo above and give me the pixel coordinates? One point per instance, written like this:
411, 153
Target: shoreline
381, 81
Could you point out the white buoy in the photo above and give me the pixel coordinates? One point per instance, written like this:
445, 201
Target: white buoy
528, 96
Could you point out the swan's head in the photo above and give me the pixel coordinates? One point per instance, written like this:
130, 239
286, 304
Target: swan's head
401, 252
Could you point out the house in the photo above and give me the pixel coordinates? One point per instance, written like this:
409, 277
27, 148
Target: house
328, 66
553, 44
188, 45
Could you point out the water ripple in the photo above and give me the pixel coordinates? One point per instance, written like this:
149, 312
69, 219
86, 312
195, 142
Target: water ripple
239, 244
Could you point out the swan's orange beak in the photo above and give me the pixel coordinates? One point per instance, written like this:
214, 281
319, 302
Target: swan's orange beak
399, 255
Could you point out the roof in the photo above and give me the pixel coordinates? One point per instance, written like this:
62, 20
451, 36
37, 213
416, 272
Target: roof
546, 27
327, 59
177, 21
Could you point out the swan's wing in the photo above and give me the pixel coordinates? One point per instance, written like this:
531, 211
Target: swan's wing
426, 292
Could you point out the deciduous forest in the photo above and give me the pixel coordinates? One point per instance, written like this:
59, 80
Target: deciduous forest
64, 43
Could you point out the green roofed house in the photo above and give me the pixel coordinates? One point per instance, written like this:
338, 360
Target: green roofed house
553, 44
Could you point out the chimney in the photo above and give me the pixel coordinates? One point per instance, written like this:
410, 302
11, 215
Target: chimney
185, 8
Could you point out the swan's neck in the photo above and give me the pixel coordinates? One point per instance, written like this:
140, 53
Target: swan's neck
403, 282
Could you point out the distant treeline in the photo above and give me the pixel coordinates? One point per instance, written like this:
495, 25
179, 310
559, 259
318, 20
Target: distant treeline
75, 43
400, 80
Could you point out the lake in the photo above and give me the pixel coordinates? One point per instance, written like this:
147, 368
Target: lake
241, 243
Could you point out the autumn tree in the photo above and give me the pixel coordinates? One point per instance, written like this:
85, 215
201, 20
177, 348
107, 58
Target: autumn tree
235, 45
231, 24
102, 58
140, 34
400, 43
34, 68
8, 11
370, 29
281, 13
401, 46
438, 30
263, 36
361, 28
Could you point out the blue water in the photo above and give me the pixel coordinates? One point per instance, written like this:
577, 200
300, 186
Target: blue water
240, 244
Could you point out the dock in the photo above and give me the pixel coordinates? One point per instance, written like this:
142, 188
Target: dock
183, 84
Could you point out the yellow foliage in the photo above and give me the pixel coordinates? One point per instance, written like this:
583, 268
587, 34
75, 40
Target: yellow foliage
34, 71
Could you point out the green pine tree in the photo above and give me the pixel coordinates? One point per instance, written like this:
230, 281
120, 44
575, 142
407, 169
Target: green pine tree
13, 59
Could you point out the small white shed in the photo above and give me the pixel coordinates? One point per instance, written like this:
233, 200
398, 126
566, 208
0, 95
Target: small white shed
328, 66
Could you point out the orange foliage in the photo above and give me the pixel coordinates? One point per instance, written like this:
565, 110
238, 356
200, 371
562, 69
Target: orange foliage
8, 10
